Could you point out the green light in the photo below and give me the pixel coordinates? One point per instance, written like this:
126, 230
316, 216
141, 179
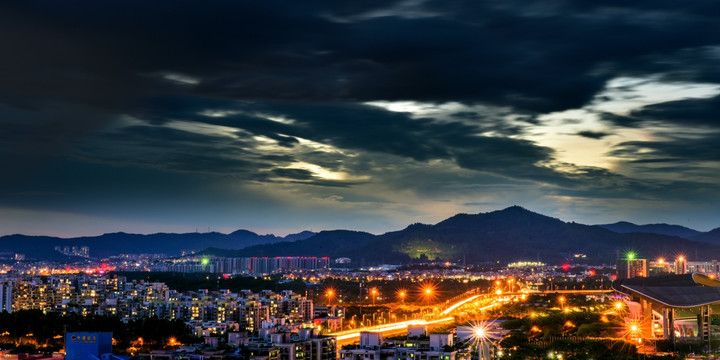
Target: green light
630, 255
205, 261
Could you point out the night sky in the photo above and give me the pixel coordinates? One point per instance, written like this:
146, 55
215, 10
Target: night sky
279, 116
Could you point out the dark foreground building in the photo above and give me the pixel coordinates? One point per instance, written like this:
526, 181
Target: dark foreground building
672, 307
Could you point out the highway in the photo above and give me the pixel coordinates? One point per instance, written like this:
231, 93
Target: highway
443, 317
398, 328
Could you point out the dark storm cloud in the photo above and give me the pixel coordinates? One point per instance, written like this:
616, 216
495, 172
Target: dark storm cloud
691, 112
298, 174
364, 128
70, 70
111, 53
593, 134
356, 128
688, 113
620, 120
698, 148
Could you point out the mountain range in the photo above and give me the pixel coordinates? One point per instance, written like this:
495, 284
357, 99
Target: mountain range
43, 247
505, 235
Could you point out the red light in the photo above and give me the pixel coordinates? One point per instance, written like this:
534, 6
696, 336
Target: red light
566, 267
591, 272
614, 277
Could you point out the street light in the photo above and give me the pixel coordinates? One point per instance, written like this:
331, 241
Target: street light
480, 338
374, 292
401, 295
428, 291
330, 293
633, 329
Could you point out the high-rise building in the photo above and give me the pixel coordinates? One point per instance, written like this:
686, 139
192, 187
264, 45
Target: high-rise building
711, 268
631, 267
306, 310
681, 265
6, 296
658, 267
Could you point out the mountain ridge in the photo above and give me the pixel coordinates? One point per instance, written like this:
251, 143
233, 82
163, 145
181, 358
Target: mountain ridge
42, 247
510, 234
659, 228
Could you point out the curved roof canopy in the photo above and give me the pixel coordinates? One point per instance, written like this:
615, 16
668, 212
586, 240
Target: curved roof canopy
680, 291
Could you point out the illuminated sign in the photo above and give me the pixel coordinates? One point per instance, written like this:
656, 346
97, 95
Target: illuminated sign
87, 339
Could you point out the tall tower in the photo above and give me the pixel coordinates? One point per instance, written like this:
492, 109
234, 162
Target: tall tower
680, 265
6, 296
630, 267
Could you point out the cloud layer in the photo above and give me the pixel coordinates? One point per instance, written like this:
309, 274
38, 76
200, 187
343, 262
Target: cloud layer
280, 116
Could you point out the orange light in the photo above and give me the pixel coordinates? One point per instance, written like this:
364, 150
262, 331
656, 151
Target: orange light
661, 261
173, 342
681, 258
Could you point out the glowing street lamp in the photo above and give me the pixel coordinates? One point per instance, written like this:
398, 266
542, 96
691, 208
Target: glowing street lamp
401, 295
561, 300
428, 293
330, 293
172, 341
633, 329
374, 292
480, 338
427, 290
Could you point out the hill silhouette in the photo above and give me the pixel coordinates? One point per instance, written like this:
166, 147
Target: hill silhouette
42, 247
712, 236
506, 235
664, 229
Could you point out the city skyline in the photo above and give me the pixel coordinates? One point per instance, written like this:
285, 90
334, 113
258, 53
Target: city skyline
276, 118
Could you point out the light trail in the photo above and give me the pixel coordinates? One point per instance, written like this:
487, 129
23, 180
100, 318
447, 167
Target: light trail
391, 327
355, 334
458, 304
